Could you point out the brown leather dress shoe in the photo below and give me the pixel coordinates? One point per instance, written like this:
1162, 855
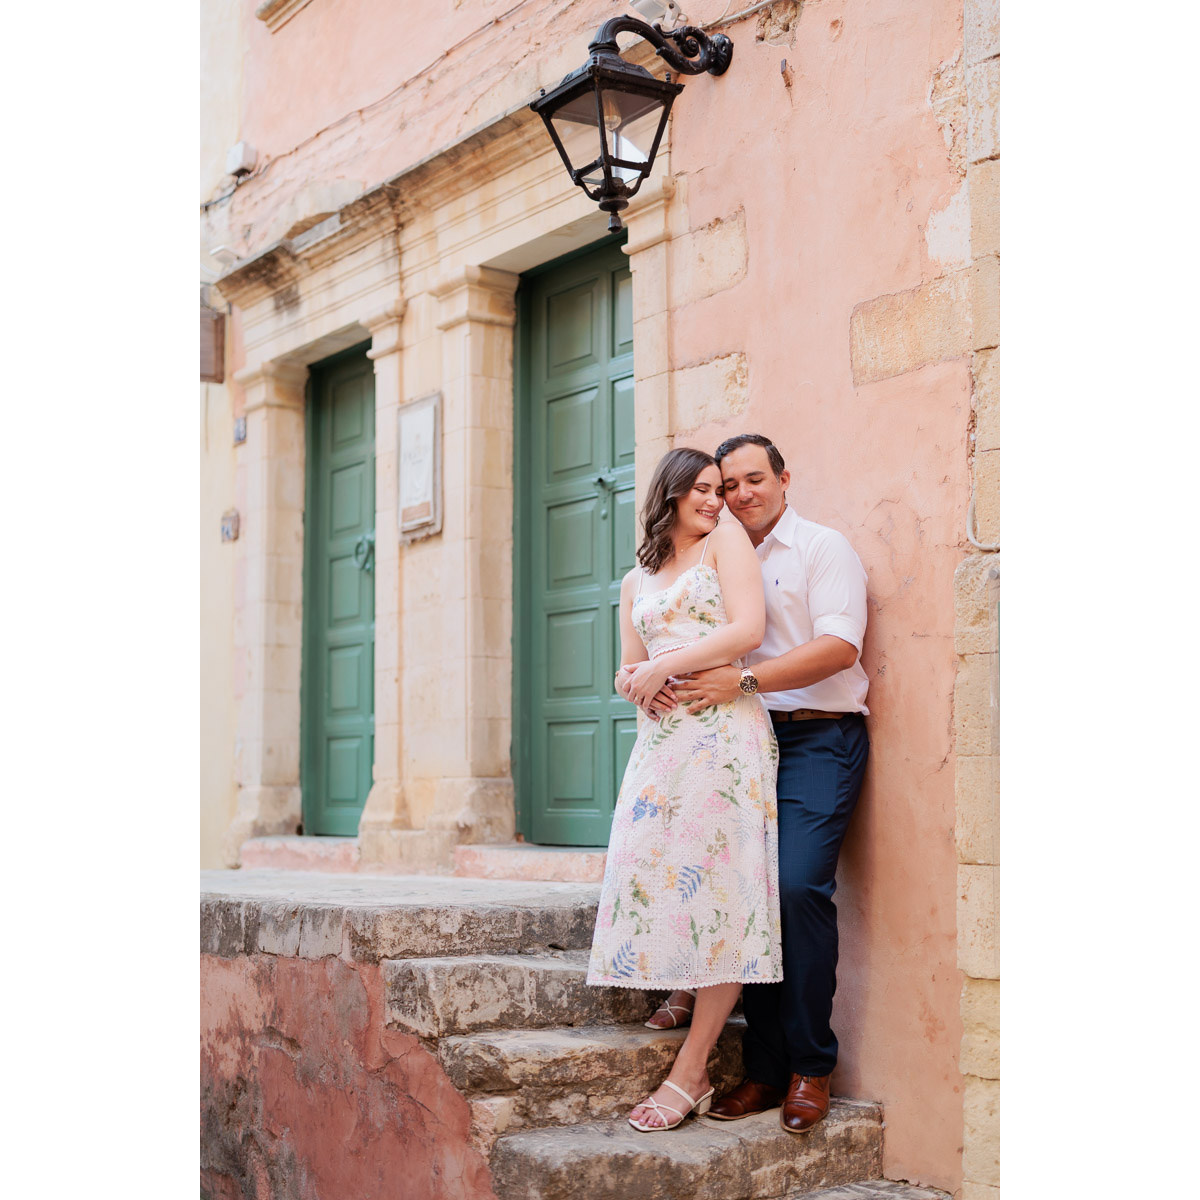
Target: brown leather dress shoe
807, 1101
745, 1100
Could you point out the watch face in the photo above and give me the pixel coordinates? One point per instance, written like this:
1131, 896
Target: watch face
748, 684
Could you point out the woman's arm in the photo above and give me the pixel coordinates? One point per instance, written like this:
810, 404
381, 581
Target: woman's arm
633, 652
741, 585
632, 648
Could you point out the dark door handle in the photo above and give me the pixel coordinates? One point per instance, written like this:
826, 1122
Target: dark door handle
364, 552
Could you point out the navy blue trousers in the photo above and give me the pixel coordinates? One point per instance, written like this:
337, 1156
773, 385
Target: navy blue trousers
821, 765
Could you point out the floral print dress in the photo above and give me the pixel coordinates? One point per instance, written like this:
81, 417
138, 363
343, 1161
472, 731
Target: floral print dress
691, 888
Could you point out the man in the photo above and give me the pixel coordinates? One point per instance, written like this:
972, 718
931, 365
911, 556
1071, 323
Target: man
809, 675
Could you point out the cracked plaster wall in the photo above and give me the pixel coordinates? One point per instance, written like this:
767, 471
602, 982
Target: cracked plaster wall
305, 1093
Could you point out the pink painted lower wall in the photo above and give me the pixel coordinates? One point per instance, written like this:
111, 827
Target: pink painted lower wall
305, 1093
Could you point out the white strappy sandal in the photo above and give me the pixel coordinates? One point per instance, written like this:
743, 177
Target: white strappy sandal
699, 1107
670, 1010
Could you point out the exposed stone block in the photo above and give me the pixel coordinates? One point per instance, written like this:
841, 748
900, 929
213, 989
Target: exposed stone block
981, 1130
434, 997
978, 921
976, 707
981, 34
976, 596
905, 331
703, 1158
985, 302
978, 1191
708, 260
983, 110
983, 180
985, 374
976, 805
710, 391
981, 1028
987, 497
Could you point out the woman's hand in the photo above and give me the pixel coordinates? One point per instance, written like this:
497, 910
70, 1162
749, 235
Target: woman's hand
663, 702
646, 682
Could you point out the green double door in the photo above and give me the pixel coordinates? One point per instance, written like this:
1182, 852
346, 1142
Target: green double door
337, 691
574, 542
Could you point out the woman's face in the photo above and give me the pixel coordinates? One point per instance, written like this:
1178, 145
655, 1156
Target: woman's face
697, 512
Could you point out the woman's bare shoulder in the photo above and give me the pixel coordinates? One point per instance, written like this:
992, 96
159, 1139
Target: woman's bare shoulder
729, 533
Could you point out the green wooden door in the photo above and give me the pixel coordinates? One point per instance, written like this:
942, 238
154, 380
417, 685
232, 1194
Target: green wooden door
573, 734
338, 691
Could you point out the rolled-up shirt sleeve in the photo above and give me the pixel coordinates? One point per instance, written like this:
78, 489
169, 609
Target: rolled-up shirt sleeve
837, 589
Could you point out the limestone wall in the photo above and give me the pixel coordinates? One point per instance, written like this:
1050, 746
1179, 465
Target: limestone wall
977, 633
220, 72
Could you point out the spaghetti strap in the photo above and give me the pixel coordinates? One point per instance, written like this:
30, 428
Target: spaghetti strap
641, 580
704, 551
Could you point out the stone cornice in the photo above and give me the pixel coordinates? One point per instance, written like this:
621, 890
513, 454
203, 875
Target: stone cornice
384, 328
479, 295
273, 385
288, 261
513, 136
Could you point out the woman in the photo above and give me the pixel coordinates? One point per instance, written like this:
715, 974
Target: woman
690, 895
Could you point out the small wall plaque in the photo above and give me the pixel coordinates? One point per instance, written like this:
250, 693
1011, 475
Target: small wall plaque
229, 525
419, 464
239, 431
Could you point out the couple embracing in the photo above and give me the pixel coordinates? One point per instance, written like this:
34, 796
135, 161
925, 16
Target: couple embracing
740, 640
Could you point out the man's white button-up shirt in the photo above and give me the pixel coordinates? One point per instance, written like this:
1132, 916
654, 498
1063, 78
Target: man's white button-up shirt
814, 584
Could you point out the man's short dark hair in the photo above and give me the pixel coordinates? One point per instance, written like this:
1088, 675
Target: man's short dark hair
729, 445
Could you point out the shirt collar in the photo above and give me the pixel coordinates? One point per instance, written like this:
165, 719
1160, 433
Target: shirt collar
785, 528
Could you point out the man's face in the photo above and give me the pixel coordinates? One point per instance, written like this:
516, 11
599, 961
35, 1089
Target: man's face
752, 491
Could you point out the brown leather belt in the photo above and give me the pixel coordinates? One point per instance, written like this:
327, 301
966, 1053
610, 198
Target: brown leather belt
806, 714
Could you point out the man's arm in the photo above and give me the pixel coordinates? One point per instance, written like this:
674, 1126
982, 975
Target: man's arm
837, 604
802, 667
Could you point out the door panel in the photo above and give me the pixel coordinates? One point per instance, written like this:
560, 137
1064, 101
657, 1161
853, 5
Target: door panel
574, 543
338, 693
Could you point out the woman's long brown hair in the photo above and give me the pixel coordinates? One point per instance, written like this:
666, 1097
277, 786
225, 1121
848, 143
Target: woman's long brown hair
673, 477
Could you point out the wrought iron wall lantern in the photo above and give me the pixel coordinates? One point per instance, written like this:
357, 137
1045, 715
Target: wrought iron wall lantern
620, 109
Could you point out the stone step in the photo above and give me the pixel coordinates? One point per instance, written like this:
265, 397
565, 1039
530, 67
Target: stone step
521, 1078
519, 860
283, 853
368, 918
437, 997
752, 1159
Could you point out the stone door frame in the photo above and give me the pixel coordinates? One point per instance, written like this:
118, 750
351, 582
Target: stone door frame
426, 267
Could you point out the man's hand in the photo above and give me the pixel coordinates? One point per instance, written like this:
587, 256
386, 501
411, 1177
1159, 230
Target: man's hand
702, 689
663, 702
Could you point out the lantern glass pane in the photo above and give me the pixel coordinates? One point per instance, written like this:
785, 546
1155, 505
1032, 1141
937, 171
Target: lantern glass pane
630, 123
577, 126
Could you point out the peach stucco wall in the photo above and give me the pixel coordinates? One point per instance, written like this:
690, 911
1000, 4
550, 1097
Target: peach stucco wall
843, 175
837, 177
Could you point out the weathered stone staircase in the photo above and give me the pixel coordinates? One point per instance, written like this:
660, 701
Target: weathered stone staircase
490, 976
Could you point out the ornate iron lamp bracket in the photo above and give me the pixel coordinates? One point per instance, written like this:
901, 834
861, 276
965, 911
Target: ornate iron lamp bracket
694, 51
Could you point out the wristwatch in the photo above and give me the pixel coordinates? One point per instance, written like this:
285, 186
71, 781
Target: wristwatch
748, 682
